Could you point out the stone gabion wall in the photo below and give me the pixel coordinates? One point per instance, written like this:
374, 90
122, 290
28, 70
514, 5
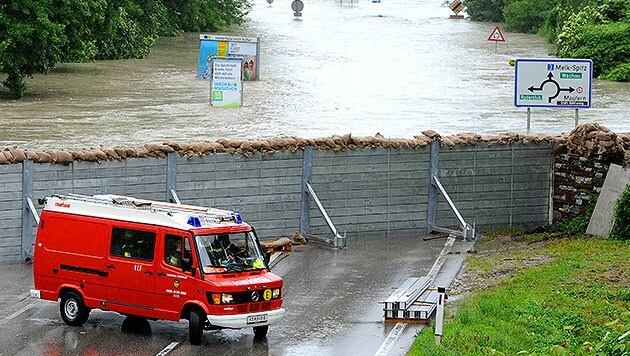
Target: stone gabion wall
577, 182
581, 162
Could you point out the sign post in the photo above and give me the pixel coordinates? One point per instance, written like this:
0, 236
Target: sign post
457, 6
496, 36
297, 6
439, 315
553, 83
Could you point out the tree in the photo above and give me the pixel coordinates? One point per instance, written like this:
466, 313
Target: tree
527, 16
29, 42
206, 15
485, 10
591, 33
36, 35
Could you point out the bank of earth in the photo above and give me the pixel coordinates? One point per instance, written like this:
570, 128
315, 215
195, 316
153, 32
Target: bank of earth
537, 293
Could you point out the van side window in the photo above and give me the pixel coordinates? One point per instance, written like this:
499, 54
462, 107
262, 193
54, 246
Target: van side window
132, 244
174, 254
173, 250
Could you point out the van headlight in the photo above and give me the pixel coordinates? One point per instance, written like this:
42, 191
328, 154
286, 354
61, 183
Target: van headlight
227, 298
220, 298
276, 293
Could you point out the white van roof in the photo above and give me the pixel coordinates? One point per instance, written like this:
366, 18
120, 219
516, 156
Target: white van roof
118, 207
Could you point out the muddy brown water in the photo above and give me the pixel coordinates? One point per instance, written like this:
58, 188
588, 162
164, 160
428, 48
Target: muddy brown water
395, 67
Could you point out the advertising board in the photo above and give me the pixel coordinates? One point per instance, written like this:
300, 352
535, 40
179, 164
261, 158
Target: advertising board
247, 48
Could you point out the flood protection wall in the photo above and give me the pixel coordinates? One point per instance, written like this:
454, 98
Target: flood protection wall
365, 191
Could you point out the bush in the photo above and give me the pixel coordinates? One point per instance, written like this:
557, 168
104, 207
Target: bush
579, 224
485, 10
559, 14
608, 45
620, 73
527, 15
621, 217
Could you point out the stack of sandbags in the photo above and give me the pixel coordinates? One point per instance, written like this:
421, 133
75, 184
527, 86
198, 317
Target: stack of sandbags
281, 244
597, 142
12, 155
298, 239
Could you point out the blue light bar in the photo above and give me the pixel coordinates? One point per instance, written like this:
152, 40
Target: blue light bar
194, 221
237, 217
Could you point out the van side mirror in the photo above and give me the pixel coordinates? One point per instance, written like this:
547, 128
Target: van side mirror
267, 256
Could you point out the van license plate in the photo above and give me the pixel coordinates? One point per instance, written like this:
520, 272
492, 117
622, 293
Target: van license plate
255, 319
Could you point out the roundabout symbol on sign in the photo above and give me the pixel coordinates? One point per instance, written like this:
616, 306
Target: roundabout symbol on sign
551, 80
579, 90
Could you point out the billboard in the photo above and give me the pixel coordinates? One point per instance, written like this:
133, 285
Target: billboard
247, 48
226, 82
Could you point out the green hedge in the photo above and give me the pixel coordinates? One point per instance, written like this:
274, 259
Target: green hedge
485, 10
608, 45
621, 217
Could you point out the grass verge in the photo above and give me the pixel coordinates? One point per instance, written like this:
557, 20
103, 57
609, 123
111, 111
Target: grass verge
539, 294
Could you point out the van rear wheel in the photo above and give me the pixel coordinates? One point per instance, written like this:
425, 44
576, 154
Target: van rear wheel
196, 321
260, 331
72, 309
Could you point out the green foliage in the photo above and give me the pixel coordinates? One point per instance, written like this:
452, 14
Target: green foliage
598, 34
608, 45
620, 73
621, 217
569, 306
29, 42
485, 10
35, 35
559, 14
615, 342
578, 224
206, 15
527, 15
121, 33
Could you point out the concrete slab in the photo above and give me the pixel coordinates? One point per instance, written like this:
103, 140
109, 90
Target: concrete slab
601, 220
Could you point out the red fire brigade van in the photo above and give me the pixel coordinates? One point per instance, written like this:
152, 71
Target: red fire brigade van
154, 260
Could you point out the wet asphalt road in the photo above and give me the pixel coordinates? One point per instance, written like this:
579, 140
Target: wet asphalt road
331, 296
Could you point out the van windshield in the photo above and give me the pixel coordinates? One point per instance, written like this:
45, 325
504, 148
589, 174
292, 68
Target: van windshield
229, 252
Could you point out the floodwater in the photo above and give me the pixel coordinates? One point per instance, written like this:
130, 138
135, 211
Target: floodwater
397, 67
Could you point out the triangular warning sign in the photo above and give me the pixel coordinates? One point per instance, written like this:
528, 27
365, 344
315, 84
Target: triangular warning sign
496, 35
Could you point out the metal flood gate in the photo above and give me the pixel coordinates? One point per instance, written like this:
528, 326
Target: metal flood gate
368, 191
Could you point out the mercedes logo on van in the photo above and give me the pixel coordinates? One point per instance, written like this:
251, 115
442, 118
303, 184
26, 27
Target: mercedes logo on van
255, 296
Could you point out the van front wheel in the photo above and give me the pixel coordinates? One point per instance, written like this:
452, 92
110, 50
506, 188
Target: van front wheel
195, 326
73, 310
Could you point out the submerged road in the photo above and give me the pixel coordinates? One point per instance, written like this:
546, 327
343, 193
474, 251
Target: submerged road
331, 296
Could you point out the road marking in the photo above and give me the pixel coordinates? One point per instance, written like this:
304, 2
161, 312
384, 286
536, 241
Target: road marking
437, 265
391, 339
14, 315
168, 348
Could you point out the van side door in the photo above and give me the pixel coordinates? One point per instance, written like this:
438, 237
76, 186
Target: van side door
175, 283
131, 269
